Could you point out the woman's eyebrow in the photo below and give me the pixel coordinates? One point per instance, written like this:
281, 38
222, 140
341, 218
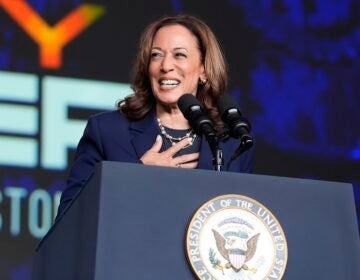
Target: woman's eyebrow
180, 48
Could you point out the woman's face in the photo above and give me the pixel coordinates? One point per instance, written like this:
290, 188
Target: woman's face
175, 65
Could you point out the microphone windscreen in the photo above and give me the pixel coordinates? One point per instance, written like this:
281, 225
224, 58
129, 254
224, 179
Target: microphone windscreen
226, 103
186, 101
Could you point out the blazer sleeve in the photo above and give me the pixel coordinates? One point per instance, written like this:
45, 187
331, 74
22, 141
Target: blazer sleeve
243, 163
89, 151
247, 160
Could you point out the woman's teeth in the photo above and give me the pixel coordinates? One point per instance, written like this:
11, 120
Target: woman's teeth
169, 83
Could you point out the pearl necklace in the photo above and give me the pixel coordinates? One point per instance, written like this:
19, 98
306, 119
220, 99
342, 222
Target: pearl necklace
174, 140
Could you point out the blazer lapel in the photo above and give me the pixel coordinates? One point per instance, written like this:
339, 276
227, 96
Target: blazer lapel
144, 133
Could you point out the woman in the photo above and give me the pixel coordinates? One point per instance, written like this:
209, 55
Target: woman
177, 55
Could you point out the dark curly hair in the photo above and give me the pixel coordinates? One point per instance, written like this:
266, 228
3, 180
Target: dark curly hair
137, 105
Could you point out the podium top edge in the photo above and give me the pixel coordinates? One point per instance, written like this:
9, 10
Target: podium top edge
136, 165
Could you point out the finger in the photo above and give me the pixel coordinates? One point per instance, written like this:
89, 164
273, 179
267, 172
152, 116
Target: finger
157, 145
189, 165
186, 158
178, 146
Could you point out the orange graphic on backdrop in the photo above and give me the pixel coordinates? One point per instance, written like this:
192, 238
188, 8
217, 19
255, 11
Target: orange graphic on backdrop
52, 40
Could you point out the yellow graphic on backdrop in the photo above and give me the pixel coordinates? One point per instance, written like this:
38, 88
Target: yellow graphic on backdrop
52, 40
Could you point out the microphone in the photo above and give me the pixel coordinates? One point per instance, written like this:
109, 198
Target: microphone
239, 127
201, 123
194, 113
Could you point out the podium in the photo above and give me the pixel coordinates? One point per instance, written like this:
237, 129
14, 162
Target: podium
129, 222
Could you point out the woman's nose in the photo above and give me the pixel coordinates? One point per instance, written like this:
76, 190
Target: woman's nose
167, 64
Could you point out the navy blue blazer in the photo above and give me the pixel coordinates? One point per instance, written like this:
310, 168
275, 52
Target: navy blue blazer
111, 136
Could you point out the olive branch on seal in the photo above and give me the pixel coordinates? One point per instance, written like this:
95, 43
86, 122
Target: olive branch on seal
216, 263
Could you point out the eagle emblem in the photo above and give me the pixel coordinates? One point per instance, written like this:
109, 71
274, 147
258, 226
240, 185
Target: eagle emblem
235, 250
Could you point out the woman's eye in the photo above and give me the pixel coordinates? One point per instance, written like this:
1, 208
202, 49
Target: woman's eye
180, 55
155, 54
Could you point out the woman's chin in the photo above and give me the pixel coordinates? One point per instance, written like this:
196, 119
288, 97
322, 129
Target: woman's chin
168, 102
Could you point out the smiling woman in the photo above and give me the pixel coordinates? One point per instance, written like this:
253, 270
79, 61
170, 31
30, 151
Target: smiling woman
189, 37
177, 55
175, 67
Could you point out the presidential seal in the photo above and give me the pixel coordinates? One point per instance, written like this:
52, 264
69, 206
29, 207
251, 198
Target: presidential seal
236, 237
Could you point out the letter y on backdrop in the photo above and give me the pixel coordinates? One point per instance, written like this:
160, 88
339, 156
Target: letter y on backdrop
52, 40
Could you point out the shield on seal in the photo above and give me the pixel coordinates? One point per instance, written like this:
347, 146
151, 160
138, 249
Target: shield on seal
236, 258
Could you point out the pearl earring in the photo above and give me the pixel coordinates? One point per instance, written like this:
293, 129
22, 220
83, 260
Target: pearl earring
202, 81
